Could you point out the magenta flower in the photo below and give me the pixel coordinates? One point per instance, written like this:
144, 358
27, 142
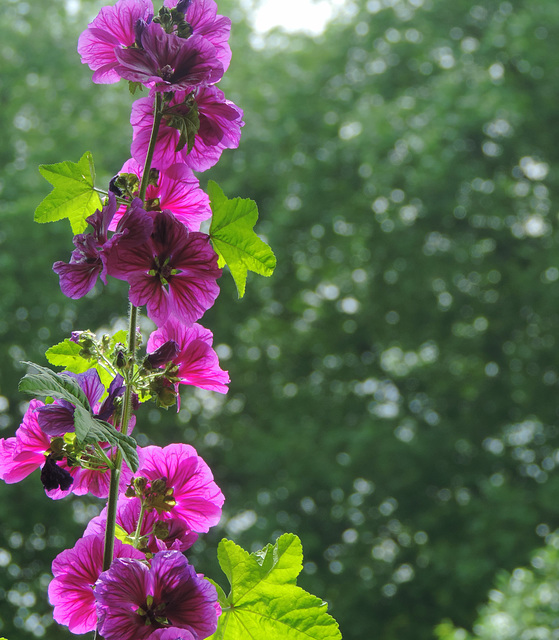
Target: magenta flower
166, 62
159, 531
198, 500
167, 601
202, 17
112, 29
89, 258
177, 190
173, 274
75, 572
220, 128
197, 362
30, 450
26, 452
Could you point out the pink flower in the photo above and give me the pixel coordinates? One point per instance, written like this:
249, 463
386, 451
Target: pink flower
161, 531
75, 572
173, 274
198, 500
167, 601
177, 190
31, 449
220, 128
112, 29
197, 362
27, 451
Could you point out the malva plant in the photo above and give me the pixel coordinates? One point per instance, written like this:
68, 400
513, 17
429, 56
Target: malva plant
129, 577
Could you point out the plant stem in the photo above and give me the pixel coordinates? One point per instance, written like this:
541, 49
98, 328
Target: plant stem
157, 115
115, 473
108, 553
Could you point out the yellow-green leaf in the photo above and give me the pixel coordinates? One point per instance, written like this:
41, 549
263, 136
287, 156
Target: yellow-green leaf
234, 239
73, 196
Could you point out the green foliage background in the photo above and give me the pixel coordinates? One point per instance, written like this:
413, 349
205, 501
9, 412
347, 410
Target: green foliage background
394, 384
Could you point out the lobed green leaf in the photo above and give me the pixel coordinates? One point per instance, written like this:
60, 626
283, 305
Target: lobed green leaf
73, 196
67, 354
264, 601
234, 239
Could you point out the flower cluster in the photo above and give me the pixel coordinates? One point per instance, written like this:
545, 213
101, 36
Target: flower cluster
128, 577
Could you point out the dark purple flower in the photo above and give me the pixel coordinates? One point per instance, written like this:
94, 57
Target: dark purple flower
220, 128
166, 62
58, 418
202, 17
164, 601
89, 258
174, 273
54, 477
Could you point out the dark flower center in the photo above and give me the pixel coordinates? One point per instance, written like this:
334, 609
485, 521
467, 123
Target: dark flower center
163, 271
153, 614
166, 73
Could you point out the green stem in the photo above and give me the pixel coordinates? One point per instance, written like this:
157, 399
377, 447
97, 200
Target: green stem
157, 115
115, 473
139, 525
132, 345
106, 193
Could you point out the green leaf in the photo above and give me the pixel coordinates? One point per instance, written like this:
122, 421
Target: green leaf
67, 354
73, 196
89, 430
264, 601
234, 239
46, 384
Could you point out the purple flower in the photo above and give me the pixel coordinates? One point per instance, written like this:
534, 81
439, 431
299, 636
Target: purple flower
75, 573
177, 190
198, 500
174, 273
58, 418
197, 362
166, 62
112, 29
159, 531
220, 128
89, 258
167, 601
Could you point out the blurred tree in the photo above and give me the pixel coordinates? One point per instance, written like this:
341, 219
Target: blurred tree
393, 396
523, 604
